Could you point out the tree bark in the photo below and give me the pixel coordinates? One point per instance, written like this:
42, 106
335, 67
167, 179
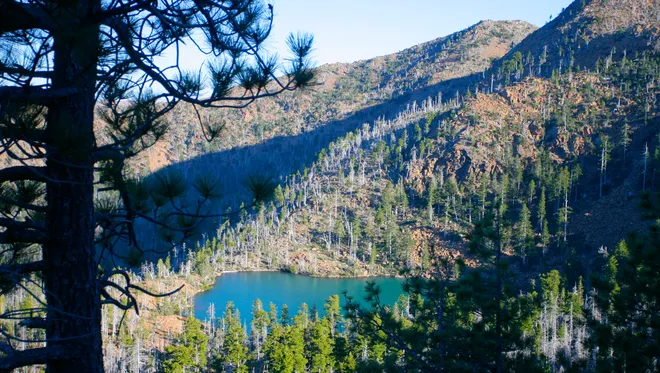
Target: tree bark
72, 293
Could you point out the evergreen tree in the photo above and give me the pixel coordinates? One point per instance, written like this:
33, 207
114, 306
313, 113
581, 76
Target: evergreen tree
81, 88
525, 233
234, 351
285, 349
189, 353
541, 210
332, 313
320, 347
545, 236
628, 331
488, 291
531, 192
279, 195
459, 319
259, 328
285, 319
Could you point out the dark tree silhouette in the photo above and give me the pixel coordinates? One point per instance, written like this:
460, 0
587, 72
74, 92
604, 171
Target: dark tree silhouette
81, 92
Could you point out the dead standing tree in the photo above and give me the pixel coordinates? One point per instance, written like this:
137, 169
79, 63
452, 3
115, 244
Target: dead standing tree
59, 62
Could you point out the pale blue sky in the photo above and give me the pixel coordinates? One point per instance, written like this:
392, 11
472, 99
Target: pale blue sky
351, 30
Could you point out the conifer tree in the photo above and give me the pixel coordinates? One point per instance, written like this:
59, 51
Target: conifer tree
525, 234
541, 210
285, 348
545, 236
259, 328
285, 318
234, 351
628, 332
320, 347
333, 313
81, 93
531, 192
189, 353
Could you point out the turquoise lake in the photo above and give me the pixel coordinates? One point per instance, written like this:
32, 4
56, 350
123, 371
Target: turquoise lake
280, 288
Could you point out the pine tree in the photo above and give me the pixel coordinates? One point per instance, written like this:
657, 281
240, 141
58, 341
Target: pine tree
279, 195
531, 192
625, 138
259, 328
285, 348
332, 313
458, 319
525, 233
545, 236
541, 210
339, 231
629, 299
84, 93
272, 315
604, 159
234, 351
189, 353
564, 211
320, 347
285, 319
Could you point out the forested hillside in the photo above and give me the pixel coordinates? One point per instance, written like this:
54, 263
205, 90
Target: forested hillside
444, 70
341, 91
527, 180
257, 140
510, 174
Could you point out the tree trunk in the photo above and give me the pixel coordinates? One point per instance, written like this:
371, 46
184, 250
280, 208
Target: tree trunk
72, 294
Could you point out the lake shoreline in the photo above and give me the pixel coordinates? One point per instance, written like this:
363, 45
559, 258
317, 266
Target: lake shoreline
172, 322
305, 274
209, 286
285, 288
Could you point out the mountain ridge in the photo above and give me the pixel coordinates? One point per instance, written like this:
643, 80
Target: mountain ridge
238, 162
343, 89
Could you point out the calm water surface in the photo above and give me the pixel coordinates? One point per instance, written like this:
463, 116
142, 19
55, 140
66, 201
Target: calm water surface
243, 288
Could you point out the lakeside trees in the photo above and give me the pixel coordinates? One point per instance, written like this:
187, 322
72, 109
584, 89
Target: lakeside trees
448, 322
546, 315
68, 65
384, 222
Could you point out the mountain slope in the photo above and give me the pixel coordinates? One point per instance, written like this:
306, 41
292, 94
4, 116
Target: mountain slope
585, 32
259, 139
343, 91
420, 179
551, 124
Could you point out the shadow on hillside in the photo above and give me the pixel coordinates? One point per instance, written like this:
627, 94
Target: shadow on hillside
282, 156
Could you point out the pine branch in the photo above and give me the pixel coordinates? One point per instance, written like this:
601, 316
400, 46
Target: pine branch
34, 94
26, 206
23, 236
22, 269
34, 323
15, 16
20, 173
126, 40
42, 355
20, 225
34, 137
